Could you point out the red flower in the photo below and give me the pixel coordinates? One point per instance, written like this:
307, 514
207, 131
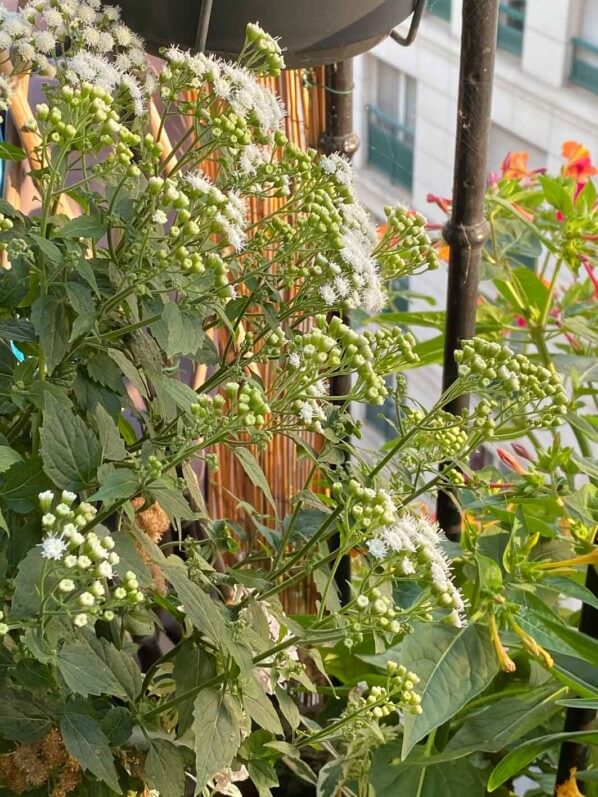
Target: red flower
578, 163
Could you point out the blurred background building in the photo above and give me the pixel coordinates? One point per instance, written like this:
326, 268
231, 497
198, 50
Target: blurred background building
545, 92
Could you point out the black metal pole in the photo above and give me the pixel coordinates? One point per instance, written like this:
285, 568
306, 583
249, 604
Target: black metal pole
339, 137
467, 230
575, 755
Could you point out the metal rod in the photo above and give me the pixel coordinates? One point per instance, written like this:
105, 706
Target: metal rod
467, 230
339, 137
204, 25
575, 755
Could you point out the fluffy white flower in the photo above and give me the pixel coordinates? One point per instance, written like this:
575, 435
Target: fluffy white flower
328, 293
160, 217
306, 412
80, 620
91, 36
377, 548
52, 17
294, 359
104, 569
122, 35
53, 547
44, 41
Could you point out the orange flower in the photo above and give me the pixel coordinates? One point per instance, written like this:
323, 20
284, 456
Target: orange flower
515, 166
510, 461
578, 162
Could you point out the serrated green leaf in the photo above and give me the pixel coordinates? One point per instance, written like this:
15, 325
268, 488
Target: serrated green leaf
165, 768
217, 734
86, 673
263, 776
26, 600
117, 725
70, 451
87, 743
20, 719
21, 485
122, 666
518, 759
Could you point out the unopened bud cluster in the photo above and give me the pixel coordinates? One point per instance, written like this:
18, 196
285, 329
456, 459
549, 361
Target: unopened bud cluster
501, 374
82, 563
406, 244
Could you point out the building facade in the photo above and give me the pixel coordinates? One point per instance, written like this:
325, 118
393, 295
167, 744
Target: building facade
405, 101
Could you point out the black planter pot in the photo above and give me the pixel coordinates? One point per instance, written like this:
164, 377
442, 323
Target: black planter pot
311, 31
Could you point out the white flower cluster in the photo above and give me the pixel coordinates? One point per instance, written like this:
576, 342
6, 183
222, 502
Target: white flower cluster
97, 48
83, 562
413, 546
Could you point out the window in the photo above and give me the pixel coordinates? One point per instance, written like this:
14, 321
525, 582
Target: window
391, 124
584, 65
511, 22
440, 8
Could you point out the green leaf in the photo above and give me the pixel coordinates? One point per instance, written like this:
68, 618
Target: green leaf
217, 734
122, 483
177, 333
49, 250
117, 725
86, 673
571, 588
288, 707
454, 665
263, 776
80, 298
122, 666
331, 777
82, 227
502, 722
113, 445
255, 473
590, 703
192, 666
165, 768
257, 704
203, 612
70, 451
527, 752
8, 457
554, 635
576, 674
26, 598
448, 779
21, 485
20, 719
10, 152
51, 324
87, 743
557, 194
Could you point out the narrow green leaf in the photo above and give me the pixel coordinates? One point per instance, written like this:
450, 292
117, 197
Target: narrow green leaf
255, 473
217, 734
51, 324
288, 707
570, 588
49, 250
257, 704
525, 753
86, 742
113, 445
10, 152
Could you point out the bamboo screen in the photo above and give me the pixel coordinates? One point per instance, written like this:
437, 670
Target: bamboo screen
303, 95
